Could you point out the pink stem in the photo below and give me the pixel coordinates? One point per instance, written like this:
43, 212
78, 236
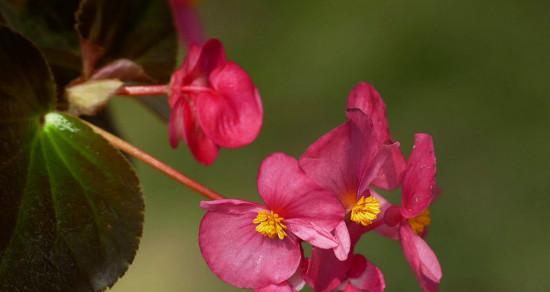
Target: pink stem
155, 163
143, 90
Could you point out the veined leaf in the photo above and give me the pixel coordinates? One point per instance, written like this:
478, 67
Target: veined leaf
71, 210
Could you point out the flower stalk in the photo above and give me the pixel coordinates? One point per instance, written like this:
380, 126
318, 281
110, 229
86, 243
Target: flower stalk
143, 90
155, 163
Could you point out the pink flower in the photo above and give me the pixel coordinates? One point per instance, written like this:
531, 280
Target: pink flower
409, 221
326, 272
352, 158
214, 103
252, 245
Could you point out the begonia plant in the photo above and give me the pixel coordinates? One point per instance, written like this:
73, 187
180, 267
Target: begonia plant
71, 208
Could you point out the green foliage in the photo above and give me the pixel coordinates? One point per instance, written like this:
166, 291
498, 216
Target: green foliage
71, 209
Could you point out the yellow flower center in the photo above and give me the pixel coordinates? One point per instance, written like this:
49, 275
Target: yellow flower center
419, 223
365, 211
270, 224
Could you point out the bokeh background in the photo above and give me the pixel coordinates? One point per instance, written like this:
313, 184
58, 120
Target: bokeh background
474, 74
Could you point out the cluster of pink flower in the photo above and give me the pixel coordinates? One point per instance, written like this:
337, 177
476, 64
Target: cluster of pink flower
326, 198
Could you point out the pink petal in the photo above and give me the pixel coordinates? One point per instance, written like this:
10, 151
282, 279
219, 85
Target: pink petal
287, 190
231, 206
187, 22
325, 272
212, 57
370, 279
357, 266
231, 115
241, 256
176, 83
419, 187
176, 124
183, 123
391, 215
422, 259
307, 231
350, 288
341, 159
344, 242
374, 167
391, 172
190, 61
365, 98
197, 66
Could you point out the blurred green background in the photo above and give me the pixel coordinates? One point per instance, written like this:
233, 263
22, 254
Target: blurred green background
474, 74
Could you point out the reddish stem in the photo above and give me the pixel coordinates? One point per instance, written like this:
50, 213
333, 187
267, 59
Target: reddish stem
374, 225
143, 90
155, 163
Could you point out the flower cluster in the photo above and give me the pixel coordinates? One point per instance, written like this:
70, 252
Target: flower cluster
328, 198
214, 103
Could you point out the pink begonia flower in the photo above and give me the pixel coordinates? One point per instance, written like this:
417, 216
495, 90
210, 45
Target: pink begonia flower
214, 103
352, 158
409, 221
187, 22
326, 272
252, 245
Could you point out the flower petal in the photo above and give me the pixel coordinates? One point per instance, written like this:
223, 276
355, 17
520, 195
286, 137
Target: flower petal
374, 167
231, 206
344, 242
202, 147
366, 99
231, 115
339, 160
210, 57
191, 60
419, 187
392, 170
325, 272
287, 190
241, 256
176, 125
307, 231
370, 279
422, 259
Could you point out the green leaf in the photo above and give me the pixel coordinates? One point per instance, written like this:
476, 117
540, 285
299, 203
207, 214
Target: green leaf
50, 24
71, 209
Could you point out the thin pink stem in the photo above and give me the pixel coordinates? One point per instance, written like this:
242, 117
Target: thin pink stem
155, 163
143, 90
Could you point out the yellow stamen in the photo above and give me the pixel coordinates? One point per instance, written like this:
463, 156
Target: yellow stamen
419, 223
365, 210
270, 224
